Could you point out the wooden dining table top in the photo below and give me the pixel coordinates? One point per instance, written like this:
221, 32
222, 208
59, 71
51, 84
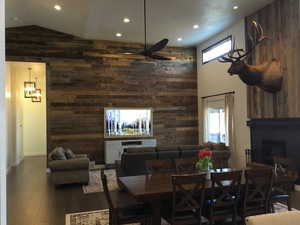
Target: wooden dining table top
157, 184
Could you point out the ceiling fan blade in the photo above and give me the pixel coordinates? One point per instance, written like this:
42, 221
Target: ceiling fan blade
159, 45
159, 57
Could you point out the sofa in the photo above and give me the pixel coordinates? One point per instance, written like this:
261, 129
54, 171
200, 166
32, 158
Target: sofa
133, 160
70, 171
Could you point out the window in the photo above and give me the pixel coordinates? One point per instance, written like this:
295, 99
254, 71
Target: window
216, 50
216, 125
215, 122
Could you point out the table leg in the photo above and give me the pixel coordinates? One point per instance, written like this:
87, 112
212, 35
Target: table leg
156, 210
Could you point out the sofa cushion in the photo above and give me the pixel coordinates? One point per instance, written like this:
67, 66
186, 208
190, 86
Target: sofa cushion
167, 148
168, 154
58, 154
189, 153
69, 154
191, 147
208, 145
135, 163
219, 146
71, 164
139, 150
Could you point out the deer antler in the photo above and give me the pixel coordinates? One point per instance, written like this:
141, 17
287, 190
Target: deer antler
256, 39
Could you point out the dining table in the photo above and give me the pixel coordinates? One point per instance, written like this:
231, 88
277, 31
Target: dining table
157, 187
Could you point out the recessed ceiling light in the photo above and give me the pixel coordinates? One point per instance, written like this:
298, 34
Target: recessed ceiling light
196, 26
126, 20
179, 39
235, 7
118, 35
57, 7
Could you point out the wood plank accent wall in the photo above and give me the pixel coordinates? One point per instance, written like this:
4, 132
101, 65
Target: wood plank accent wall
84, 76
280, 21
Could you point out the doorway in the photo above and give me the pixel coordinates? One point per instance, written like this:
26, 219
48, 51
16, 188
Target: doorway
26, 112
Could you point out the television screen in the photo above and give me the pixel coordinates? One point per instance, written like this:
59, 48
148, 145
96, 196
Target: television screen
126, 122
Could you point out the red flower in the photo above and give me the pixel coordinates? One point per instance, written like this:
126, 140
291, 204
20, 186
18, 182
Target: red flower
203, 153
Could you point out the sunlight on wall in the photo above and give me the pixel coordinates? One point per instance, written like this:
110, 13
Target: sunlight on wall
30, 118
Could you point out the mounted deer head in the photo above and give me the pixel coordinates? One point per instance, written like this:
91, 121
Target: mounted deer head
268, 76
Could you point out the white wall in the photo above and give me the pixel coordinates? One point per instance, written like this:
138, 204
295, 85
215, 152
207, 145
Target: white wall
29, 119
3, 147
214, 79
9, 122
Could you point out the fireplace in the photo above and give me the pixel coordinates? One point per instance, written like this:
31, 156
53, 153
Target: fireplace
275, 137
271, 148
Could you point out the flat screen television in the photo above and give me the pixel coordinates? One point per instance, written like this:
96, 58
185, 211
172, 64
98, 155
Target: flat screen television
127, 122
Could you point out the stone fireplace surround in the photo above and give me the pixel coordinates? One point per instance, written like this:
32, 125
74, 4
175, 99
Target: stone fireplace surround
275, 137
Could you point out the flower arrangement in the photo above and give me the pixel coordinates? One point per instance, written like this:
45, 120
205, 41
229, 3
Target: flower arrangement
205, 160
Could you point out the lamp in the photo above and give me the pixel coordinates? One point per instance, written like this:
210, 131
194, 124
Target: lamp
29, 86
36, 95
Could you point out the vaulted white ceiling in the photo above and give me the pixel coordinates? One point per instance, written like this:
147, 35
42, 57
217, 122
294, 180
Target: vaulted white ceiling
102, 19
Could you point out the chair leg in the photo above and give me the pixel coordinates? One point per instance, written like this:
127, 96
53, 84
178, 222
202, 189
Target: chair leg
234, 215
289, 204
271, 207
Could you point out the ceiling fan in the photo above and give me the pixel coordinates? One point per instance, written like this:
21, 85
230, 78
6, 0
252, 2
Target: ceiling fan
150, 52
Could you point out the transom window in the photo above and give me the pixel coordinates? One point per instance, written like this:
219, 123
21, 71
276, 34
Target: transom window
216, 50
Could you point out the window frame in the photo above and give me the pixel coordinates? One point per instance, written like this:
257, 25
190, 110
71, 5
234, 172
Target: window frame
213, 46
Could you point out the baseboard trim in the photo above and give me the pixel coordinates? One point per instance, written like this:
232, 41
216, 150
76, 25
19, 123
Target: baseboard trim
34, 154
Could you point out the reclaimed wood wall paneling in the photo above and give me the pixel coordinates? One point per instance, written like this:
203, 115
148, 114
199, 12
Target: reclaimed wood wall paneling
280, 21
85, 76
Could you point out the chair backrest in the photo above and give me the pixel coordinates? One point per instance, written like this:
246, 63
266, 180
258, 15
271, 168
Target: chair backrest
226, 188
285, 167
258, 187
188, 195
185, 164
106, 190
157, 166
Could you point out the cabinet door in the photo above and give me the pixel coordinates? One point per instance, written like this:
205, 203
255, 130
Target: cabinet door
112, 152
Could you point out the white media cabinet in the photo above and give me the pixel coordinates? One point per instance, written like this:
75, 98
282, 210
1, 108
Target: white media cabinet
113, 149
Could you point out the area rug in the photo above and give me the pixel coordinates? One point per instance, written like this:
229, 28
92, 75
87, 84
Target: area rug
279, 207
95, 184
100, 217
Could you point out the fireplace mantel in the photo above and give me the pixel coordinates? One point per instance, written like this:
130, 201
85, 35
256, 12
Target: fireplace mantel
280, 136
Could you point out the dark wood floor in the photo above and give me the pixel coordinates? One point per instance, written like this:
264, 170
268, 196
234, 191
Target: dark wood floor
33, 200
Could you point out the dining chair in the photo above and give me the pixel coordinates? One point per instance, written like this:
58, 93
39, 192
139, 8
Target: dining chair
257, 193
187, 200
185, 164
224, 196
133, 213
158, 166
285, 171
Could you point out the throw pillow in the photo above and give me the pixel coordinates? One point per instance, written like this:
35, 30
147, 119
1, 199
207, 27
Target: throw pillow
219, 146
69, 154
58, 154
208, 145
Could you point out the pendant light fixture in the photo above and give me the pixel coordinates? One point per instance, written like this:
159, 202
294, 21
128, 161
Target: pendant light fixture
37, 93
29, 86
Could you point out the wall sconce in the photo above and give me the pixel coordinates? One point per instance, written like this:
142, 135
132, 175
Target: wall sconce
29, 86
36, 95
